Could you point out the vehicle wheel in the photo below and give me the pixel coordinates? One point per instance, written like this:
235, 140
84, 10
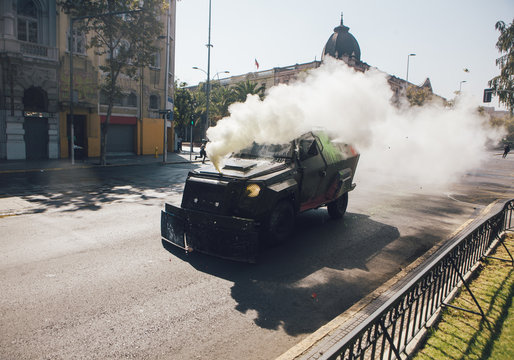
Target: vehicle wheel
337, 208
280, 223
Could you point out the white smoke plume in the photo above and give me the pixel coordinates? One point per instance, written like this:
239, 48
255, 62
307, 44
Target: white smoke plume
432, 144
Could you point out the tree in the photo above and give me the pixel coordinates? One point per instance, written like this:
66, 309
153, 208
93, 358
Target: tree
221, 98
126, 38
507, 123
418, 96
184, 110
244, 88
503, 84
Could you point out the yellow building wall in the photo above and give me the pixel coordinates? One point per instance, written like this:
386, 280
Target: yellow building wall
153, 130
93, 133
63, 138
153, 136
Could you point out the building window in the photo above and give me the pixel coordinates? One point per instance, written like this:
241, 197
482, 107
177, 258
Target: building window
121, 51
132, 100
28, 26
118, 100
154, 102
78, 42
156, 60
103, 97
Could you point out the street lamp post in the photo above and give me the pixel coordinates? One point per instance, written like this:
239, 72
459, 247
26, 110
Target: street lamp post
460, 85
408, 58
220, 72
215, 75
208, 91
209, 45
72, 124
166, 85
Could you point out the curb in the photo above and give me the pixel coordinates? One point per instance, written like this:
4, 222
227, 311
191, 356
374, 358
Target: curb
316, 342
89, 166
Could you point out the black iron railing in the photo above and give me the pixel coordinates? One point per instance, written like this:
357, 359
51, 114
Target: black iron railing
390, 330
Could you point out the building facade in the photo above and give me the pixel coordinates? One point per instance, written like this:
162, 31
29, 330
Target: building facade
29, 94
35, 104
341, 45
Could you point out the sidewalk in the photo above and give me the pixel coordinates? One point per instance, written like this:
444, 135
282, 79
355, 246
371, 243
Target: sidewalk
15, 166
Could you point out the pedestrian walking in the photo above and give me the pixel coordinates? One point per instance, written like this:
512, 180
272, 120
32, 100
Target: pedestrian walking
506, 150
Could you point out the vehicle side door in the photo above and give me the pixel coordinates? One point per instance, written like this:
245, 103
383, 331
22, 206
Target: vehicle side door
313, 167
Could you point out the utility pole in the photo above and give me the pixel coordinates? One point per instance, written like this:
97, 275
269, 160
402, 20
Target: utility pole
166, 86
208, 91
72, 124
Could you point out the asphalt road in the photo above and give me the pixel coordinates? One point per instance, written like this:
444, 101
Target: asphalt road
84, 274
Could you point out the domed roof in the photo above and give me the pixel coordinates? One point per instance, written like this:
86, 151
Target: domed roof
341, 43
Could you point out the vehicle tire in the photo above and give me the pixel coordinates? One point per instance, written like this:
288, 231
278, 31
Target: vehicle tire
337, 208
280, 223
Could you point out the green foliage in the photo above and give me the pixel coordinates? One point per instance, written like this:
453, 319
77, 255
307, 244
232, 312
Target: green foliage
461, 335
243, 89
185, 108
193, 105
503, 84
221, 98
418, 96
507, 122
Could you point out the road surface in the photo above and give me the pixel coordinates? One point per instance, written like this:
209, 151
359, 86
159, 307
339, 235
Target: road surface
85, 274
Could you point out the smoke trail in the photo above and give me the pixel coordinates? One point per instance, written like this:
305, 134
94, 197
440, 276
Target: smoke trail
430, 144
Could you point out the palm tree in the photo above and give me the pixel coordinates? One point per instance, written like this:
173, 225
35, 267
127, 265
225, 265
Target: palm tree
221, 98
244, 88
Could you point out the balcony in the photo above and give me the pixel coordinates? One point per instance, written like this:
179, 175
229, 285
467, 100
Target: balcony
38, 51
29, 49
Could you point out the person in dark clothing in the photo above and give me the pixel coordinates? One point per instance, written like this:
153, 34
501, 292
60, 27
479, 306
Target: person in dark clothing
203, 153
506, 150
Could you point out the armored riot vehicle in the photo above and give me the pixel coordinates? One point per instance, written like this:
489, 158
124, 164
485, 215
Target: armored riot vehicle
255, 197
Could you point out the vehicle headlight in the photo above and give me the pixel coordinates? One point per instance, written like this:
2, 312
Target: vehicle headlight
253, 190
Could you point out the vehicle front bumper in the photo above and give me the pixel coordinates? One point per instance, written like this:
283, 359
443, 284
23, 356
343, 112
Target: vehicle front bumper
227, 237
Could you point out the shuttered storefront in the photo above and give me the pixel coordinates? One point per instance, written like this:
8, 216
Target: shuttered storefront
121, 136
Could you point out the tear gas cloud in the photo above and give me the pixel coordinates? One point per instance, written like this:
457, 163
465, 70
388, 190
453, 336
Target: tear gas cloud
426, 145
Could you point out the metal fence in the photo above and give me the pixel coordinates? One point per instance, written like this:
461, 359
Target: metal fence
388, 331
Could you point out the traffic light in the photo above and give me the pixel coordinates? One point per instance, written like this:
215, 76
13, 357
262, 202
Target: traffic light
488, 93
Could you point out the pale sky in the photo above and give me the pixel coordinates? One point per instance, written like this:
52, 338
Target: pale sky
447, 36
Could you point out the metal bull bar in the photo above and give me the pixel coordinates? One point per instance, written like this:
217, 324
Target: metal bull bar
227, 237
400, 318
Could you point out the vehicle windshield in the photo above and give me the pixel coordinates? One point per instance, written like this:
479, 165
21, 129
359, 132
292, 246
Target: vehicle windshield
270, 151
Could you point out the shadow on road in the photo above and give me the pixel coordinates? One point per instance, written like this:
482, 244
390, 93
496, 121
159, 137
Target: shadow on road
309, 280
92, 188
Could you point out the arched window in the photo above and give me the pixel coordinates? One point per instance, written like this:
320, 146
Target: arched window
132, 100
35, 99
154, 102
28, 21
